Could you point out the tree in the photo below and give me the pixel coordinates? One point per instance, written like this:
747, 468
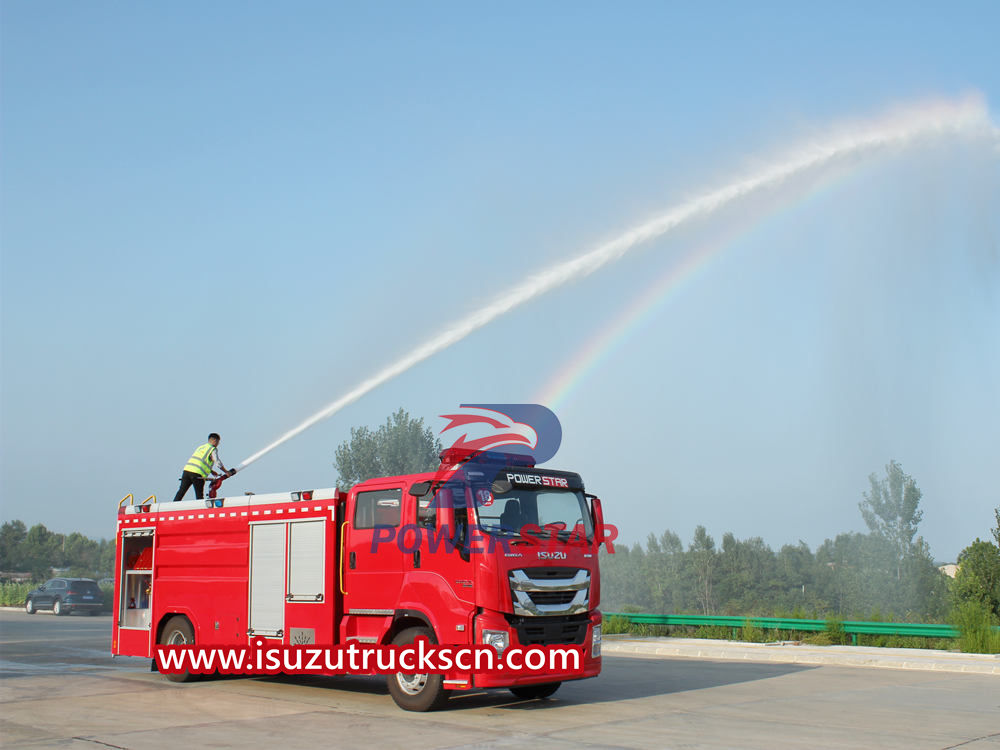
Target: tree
891, 511
702, 557
400, 446
12, 536
978, 577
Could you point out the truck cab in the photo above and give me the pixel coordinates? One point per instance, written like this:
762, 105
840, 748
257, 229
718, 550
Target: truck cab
486, 552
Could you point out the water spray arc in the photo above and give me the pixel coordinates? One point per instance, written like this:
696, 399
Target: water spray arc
966, 117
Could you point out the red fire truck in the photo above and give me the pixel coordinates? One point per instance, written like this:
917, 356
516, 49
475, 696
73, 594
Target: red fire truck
505, 556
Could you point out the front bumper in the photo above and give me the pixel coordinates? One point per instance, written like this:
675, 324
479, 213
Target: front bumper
589, 665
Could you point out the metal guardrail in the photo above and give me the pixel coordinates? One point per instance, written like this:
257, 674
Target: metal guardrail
852, 627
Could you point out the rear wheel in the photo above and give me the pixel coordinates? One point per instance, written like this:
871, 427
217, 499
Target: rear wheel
416, 692
178, 632
527, 692
29, 607
58, 609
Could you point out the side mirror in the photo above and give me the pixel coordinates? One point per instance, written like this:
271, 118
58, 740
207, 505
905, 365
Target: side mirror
420, 489
597, 516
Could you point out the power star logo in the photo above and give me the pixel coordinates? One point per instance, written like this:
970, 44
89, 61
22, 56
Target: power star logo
529, 430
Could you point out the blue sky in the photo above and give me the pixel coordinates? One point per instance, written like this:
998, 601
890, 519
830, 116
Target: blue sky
223, 216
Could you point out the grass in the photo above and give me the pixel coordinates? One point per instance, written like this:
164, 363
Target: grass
975, 626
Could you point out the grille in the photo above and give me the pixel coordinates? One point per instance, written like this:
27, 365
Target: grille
552, 597
548, 631
547, 573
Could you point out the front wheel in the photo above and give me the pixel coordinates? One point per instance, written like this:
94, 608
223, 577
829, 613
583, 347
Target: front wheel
536, 691
57, 608
178, 632
416, 692
29, 607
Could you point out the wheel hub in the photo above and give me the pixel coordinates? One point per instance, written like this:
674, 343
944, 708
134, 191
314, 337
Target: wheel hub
411, 684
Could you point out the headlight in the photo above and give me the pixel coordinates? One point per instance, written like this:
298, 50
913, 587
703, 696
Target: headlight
595, 642
498, 639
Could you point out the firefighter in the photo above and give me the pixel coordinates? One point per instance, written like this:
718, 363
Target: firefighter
200, 465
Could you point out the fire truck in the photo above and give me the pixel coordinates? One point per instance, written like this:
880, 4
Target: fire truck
499, 552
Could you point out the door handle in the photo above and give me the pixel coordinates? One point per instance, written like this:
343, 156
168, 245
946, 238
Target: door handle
416, 559
354, 561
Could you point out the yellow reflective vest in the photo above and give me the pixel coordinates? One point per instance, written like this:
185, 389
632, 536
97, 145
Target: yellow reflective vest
201, 460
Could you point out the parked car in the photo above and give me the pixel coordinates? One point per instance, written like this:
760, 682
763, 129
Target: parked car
65, 595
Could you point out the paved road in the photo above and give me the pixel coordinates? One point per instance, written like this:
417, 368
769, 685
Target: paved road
60, 688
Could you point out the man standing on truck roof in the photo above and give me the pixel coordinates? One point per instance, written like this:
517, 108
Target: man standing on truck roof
200, 465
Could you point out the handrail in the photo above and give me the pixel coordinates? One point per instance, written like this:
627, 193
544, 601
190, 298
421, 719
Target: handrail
853, 627
343, 529
122, 501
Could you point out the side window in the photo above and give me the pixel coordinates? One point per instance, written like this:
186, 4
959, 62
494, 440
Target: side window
57, 584
427, 511
460, 503
377, 508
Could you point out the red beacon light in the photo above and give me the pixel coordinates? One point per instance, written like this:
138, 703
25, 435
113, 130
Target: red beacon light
303, 495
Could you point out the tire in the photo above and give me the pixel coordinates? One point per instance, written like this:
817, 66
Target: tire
29, 607
528, 692
177, 632
416, 692
57, 608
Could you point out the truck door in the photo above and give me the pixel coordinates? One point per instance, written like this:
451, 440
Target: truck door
373, 560
442, 518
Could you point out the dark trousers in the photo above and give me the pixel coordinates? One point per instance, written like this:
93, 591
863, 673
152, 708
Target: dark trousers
189, 478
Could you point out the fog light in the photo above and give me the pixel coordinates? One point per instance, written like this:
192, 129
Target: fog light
595, 642
498, 639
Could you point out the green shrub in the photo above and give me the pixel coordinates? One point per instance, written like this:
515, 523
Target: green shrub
717, 632
975, 627
835, 631
616, 624
750, 633
109, 597
818, 639
646, 630
14, 594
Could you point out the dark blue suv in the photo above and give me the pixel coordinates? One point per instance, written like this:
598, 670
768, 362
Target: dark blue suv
65, 595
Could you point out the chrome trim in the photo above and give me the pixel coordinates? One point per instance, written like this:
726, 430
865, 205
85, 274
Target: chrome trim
519, 581
382, 612
521, 587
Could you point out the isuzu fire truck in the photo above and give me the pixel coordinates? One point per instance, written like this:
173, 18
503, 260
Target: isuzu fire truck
504, 554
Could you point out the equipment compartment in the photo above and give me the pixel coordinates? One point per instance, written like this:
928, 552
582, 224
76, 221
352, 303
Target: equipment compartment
137, 580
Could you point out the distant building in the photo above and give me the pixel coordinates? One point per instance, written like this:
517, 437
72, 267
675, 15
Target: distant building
949, 570
15, 576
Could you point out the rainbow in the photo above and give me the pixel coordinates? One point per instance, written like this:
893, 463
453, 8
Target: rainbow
558, 390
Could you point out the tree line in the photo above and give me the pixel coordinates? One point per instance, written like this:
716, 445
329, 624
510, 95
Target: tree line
37, 550
885, 574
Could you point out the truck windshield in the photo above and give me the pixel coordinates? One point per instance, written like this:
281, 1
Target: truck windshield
542, 513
